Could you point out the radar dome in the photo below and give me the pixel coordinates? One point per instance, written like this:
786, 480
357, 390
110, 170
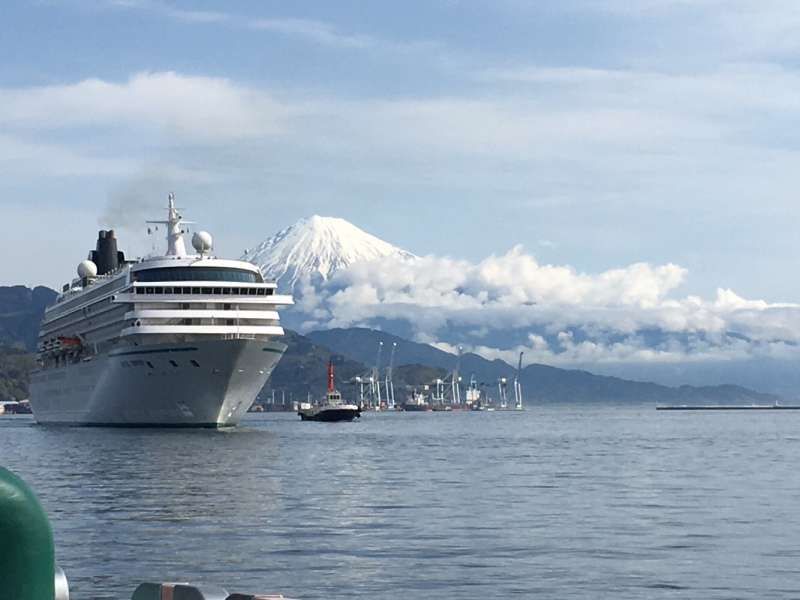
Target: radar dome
202, 241
87, 268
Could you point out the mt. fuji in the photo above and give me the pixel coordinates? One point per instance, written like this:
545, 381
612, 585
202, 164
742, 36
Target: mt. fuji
627, 322
317, 247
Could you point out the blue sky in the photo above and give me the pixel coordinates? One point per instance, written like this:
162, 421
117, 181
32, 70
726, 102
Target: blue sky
595, 133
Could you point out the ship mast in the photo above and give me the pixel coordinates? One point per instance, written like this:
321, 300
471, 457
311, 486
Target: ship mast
174, 223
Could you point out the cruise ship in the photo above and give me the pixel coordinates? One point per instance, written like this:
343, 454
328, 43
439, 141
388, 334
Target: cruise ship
175, 340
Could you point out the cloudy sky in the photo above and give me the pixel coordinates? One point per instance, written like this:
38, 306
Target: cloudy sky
596, 133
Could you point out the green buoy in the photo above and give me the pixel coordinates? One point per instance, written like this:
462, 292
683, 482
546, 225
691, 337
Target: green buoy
27, 554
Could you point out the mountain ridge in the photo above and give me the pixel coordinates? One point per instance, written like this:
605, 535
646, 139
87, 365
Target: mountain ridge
21, 311
541, 383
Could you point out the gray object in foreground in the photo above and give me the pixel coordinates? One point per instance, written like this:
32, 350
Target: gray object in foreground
186, 591
177, 591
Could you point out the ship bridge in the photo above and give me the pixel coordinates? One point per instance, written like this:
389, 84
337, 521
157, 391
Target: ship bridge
200, 297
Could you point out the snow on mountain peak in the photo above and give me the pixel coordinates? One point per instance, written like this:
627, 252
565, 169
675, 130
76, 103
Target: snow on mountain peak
317, 247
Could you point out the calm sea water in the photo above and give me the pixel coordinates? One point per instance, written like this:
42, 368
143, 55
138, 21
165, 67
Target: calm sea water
559, 502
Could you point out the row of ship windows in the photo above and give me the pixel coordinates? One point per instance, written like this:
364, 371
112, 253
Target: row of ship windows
226, 291
228, 322
141, 363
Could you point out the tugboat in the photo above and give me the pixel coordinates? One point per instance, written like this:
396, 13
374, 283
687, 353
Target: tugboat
333, 409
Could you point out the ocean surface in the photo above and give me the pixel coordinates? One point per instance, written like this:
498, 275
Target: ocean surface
556, 502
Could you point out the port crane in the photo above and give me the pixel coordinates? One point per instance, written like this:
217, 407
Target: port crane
456, 378
518, 385
449, 389
502, 392
376, 377
388, 384
369, 383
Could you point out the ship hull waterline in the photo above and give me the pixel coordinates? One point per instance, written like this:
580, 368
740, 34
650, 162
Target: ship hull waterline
193, 384
330, 415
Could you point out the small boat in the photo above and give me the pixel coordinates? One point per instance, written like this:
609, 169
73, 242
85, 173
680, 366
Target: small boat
332, 409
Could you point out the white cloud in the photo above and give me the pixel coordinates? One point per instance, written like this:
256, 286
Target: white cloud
733, 86
315, 31
603, 123
23, 158
179, 14
195, 108
624, 315
311, 30
735, 28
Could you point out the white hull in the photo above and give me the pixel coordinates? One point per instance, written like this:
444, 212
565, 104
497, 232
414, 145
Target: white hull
140, 386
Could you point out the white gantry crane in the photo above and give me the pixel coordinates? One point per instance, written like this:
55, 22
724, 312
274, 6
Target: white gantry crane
437, 393
518, 385
388, 385
376, 377
447, 391
370, 383
457, 378
363, 391
502, 392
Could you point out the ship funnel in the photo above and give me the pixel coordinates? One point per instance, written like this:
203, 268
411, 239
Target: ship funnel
106, 256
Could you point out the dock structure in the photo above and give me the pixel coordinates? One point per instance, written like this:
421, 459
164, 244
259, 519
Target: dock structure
730, 407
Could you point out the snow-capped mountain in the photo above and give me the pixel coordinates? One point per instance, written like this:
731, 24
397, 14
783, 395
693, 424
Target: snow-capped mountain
316, 247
